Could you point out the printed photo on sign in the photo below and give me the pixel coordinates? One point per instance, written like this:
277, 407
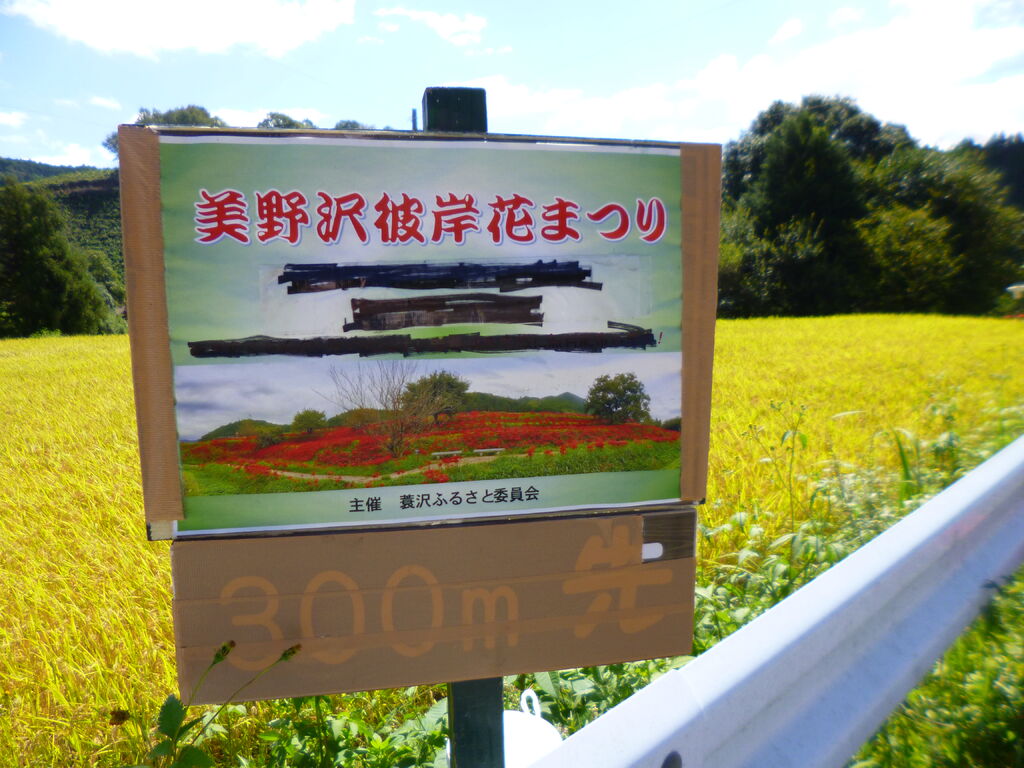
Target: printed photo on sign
384, 332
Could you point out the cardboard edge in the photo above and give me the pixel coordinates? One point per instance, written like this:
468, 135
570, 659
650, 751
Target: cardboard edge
701, 171
141, 224
401, 135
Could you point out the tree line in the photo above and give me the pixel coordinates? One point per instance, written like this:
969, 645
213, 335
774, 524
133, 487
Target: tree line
825, 209
398, 403
193, 115
828, 210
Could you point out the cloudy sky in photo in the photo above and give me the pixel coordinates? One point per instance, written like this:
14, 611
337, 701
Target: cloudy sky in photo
209, 396
699, 70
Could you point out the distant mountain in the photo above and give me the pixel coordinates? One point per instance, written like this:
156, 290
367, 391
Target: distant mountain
569, 397
235, 427
566, 402
28, 170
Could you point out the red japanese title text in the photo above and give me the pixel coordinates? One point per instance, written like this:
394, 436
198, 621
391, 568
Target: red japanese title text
402, 219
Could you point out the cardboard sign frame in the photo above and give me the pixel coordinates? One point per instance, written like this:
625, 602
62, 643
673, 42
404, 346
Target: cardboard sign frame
386, 607
147, 305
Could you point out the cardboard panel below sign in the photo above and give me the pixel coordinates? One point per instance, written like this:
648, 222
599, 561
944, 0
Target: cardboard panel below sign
385, 609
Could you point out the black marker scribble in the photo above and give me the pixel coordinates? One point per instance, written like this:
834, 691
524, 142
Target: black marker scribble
629, 336
310, 278
392, 314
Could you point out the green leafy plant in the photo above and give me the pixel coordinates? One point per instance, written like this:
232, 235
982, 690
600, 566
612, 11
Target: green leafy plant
178, 739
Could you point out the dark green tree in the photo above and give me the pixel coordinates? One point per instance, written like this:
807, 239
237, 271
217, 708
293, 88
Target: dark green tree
826, 209
275, 120
352, 125
190, 115
984, 235
806, 175
915, 268
308, 420
862, 135
803, 206
44, 283
442, 390
1005, 154
618, 399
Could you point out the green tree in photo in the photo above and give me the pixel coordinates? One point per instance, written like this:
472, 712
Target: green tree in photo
308, 420
44, 283
266, 434
440, 391
618, 399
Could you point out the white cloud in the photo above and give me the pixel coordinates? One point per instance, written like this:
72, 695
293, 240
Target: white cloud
145, 28
789, 29
1001, 12
503, 50
388, 26
653, 111
100, 101
457, 30
74, 154
250, 118
369, 40
932, 67
840, 17
13, 119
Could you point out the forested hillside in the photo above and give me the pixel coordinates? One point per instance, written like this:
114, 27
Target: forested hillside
91, 203
27, 170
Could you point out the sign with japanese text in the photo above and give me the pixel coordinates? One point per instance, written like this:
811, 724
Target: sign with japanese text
365, 332
345, 338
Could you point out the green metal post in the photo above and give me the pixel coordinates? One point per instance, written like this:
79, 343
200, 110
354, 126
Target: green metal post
475, 724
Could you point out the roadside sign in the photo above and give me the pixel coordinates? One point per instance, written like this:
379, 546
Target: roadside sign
371, 367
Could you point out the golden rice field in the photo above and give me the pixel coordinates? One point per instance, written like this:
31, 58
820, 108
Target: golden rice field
85, 622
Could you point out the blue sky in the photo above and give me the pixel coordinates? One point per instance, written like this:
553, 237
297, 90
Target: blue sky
699, 70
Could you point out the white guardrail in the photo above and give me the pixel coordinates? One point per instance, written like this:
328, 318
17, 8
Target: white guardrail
806, 684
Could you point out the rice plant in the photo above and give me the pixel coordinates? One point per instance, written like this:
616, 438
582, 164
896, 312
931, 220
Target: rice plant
824, 432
